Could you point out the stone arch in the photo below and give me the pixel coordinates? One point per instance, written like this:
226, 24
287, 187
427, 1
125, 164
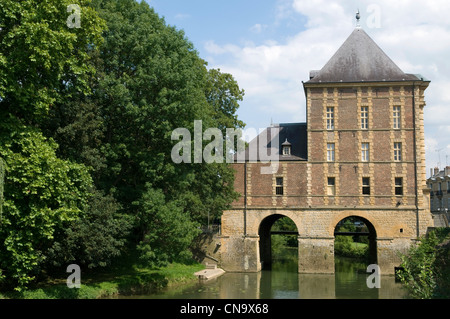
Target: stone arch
373, 257
265, 243
362, 215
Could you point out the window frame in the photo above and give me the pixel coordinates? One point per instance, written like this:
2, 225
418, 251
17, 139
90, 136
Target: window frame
364, 117
330, 118
331, 186
398, 156
365, 186
398, 186
286, 150
365, 152
331, 152
279, 187
397, 117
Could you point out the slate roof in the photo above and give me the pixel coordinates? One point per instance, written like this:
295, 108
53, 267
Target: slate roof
294, 133
360, 59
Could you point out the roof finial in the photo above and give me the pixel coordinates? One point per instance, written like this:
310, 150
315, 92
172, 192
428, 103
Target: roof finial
358, 17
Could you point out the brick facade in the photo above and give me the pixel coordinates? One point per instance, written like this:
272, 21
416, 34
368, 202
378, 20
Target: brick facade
385, 186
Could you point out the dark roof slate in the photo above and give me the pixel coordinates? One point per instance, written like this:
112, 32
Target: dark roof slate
360, 59
294, 133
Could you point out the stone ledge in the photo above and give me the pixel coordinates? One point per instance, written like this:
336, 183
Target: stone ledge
208, 274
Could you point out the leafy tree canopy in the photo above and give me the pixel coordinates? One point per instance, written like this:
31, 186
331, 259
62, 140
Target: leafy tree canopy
42, 194
42, 60
87, 117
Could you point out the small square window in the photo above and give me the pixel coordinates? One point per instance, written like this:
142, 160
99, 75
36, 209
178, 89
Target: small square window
331, 189
279, 188
366, 186
398, 186
286, 150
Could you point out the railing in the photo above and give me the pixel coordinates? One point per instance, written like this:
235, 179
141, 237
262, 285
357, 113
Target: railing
211, 229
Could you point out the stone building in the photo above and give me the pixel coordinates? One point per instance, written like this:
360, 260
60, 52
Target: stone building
439, 185
361, 153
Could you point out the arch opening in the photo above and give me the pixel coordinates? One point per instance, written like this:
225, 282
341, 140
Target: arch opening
356, 238
278, 240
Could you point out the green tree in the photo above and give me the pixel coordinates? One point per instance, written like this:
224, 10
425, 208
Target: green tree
95, 238
42, 60
223, 94
154, 82
286, 224
425, 268
149, 81
78, 127
42, 194
2, 181
170, 231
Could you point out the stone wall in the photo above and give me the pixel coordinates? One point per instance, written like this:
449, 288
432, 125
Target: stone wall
394, 231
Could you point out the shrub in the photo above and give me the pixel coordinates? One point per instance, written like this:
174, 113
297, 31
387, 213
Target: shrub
345, 247
425, 268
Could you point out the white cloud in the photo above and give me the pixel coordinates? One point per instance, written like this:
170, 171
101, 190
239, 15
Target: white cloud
182, 16
416, 35
321, 12
212, 48
258, 28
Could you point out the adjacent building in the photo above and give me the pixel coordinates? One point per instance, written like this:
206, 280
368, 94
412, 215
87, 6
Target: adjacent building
439, 184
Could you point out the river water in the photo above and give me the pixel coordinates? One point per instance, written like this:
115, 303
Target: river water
284, 282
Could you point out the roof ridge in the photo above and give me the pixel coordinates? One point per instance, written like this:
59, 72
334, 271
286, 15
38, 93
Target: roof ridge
360, 59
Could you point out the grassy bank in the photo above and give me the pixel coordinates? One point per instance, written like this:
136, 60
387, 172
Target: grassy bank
345, 247
125, 278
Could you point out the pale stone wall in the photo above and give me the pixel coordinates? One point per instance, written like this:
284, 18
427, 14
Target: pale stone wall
395, 232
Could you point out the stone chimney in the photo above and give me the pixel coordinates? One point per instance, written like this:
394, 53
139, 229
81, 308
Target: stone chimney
447, 171
436, 171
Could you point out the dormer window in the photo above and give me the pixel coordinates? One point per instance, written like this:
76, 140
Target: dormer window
286, 147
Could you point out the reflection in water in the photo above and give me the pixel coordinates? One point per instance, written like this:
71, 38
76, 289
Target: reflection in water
283, 282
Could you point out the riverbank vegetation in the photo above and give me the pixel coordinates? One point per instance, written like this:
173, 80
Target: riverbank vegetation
126, 277
352, 246
87, 116
284, 247
425, 269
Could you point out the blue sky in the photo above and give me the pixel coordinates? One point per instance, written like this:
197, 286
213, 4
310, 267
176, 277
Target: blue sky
225, 22
233, 22
270, 46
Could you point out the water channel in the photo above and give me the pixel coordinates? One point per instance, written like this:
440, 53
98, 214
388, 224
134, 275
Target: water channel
284, 282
